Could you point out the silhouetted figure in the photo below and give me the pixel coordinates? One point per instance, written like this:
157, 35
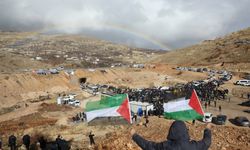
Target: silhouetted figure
134, 117
206, 105
193, 122
220, 108
42, 142
146, 121
149, 112
214, 103
62, 144
0, 144
26, 141
248, 96
58, 140
144, 113
222, 63
12, 142
177, 139
91, 138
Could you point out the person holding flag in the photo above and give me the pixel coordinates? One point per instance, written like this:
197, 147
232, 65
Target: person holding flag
178, 137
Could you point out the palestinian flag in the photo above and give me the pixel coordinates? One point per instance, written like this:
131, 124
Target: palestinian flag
182, 109
109, 106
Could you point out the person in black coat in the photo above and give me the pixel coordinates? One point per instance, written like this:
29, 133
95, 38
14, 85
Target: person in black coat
26, 141
177, 139
91, 138
62, 144
0, 144
12, 142
42, 142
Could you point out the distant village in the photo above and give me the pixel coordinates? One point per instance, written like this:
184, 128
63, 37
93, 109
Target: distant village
82, 53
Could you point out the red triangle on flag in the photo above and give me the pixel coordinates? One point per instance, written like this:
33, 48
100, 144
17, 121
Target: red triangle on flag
124, 110
195, 103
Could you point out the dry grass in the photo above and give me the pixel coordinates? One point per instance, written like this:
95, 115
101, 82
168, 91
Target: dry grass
25, 122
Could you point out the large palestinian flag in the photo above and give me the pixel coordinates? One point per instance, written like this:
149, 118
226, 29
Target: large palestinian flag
109, 106
182, 109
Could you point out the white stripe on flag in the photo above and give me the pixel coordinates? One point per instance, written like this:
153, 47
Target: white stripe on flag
107, 112
179, 105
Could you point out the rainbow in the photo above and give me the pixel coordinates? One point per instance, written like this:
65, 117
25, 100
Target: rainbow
138, 34
120, 28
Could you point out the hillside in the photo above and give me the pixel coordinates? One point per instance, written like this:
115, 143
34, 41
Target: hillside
233, 48
10, 62
25, 50
223, 137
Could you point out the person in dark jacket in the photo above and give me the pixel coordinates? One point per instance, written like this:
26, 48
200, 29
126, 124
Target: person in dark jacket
26, 141
177, 139
0, 144
62, 144
12, 142
91, 138
42, 142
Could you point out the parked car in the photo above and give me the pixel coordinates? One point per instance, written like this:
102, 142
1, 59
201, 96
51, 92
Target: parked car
77, 103
247, 111
41, 72
246, 103
207, 117
200, 70
247, 77
53, 71
243, 82
60, 68
226, 77
242, 121
219, 120
205, 69
74, 102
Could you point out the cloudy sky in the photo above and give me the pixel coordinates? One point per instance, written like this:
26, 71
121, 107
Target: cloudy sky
160, 24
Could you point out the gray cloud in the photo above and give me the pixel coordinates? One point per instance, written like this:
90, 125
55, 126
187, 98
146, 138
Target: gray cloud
141, 23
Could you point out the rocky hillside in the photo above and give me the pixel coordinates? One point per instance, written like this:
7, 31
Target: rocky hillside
233, 48
223, 137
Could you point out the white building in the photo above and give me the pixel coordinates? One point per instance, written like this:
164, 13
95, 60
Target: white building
134, 106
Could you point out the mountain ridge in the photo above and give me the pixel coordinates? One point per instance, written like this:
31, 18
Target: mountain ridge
232, 48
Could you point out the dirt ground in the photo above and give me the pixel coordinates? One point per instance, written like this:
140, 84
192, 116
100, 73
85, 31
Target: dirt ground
223, 137
35, 116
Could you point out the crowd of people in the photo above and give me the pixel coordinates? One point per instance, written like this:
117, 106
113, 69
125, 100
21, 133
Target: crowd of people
81, 116
41, 142
207, 91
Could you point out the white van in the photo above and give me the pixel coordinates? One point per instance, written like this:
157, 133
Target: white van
243, 82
